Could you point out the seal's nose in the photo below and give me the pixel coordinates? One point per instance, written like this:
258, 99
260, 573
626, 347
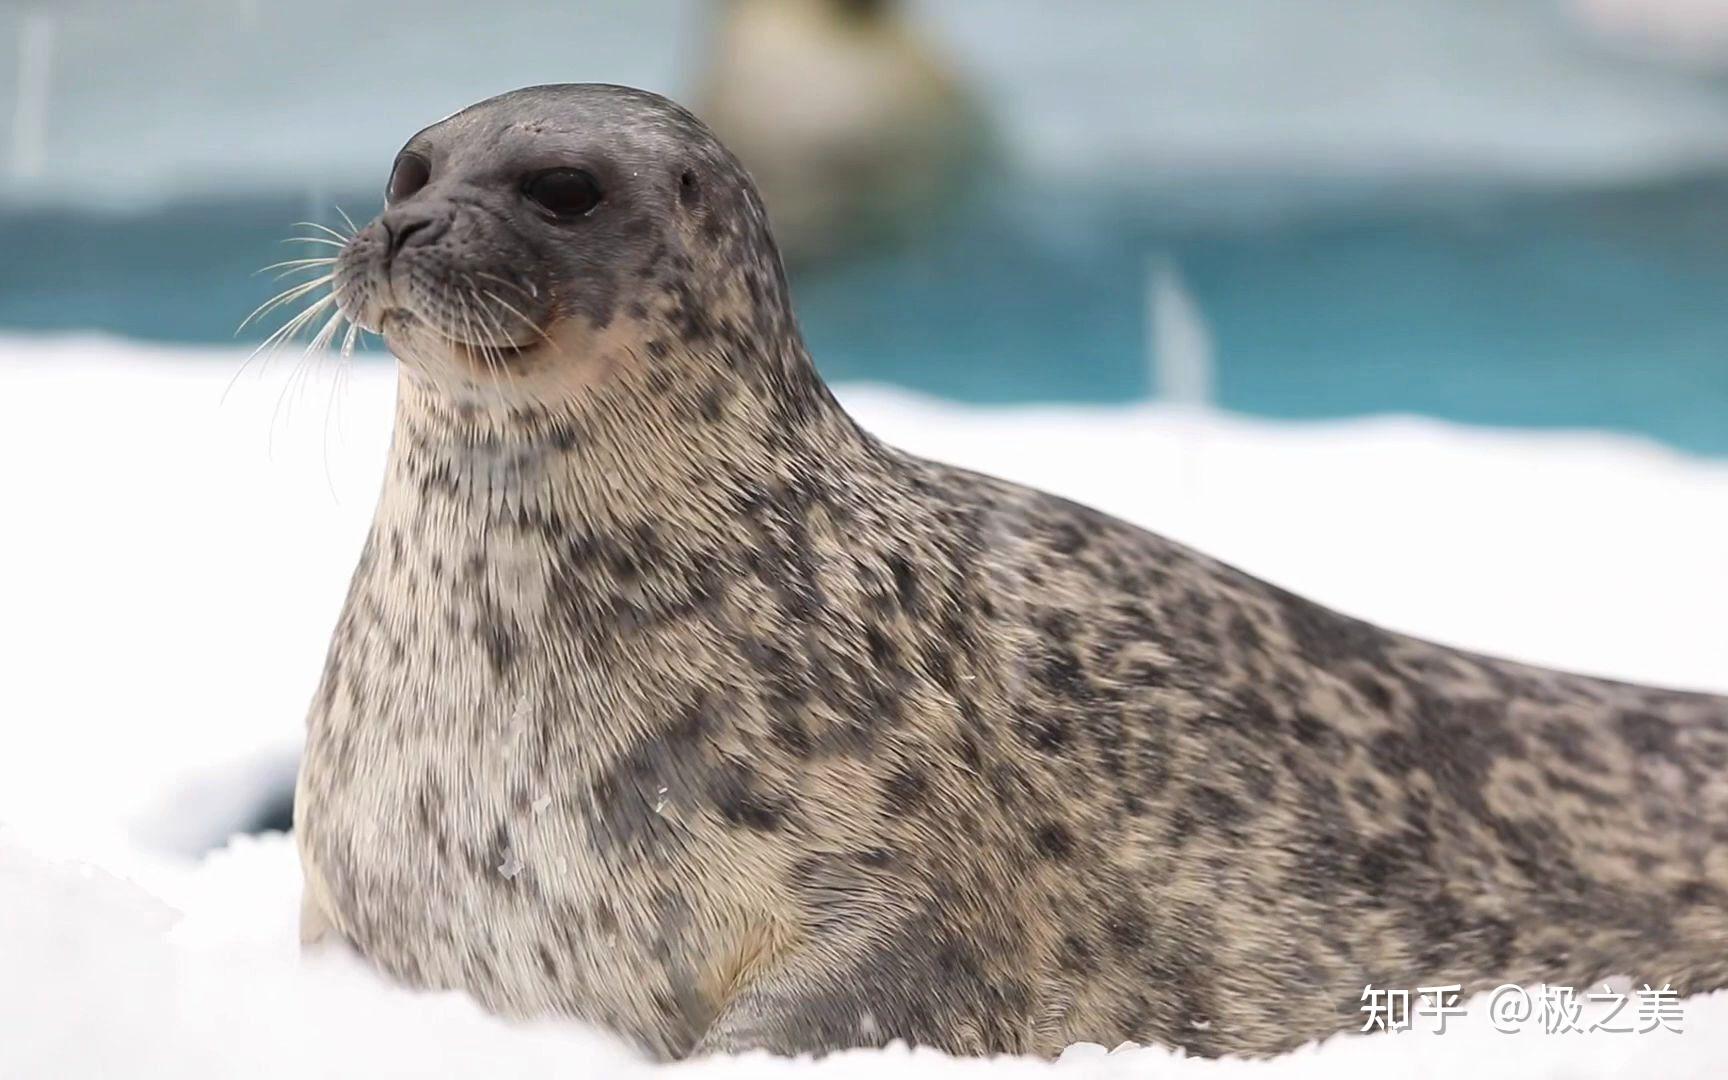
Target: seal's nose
401, 223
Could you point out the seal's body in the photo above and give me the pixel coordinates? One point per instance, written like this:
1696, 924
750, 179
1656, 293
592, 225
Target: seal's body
667, 698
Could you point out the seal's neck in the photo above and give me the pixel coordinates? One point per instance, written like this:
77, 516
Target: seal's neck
678, 445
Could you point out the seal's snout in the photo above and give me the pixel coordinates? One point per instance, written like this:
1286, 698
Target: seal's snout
439, 280
400, 224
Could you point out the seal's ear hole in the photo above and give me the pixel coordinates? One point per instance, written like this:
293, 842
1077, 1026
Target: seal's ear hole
689, 192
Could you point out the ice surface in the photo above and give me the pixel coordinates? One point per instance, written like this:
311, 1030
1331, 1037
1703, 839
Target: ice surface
173, 563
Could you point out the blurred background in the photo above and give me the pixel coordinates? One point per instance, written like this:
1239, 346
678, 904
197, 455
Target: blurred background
1511, 212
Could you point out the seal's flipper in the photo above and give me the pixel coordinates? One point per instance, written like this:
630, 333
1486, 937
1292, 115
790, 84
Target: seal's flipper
315, 926
816, 1002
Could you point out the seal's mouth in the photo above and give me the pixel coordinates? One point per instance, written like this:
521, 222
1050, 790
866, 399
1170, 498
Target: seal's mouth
497, 352
404, 322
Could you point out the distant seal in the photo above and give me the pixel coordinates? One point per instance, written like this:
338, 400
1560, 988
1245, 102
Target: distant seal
856, 127
667, 698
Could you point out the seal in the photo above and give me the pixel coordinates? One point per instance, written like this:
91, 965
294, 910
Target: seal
857, 129
666, 697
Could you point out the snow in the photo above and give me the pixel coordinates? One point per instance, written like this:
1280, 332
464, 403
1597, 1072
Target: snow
177, 551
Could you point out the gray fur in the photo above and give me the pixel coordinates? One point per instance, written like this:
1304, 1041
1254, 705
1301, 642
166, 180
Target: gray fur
667, 698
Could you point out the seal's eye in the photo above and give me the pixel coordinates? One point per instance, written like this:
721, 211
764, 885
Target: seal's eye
410, 175
568, 193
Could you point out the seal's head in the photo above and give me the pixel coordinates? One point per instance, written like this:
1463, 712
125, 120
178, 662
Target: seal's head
551, 239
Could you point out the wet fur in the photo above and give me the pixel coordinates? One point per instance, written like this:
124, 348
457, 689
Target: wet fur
684, 706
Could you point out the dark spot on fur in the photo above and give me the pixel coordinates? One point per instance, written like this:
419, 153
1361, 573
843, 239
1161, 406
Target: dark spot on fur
1126, 926
712, 404
905, 789
1374, 692
1217, 807
882, 651
1326, 638
1380, 862
938, 663
1310, 729
955, 960
1647, 733
500, 641
1062, 674
604, 917
1048, 732
1245, 634
967, 748
789, 733
1179, 826
1066, 538
1053, 840
741, 805
905, 582
1076, 953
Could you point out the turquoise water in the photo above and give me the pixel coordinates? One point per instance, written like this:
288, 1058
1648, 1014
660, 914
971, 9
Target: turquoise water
1596, 309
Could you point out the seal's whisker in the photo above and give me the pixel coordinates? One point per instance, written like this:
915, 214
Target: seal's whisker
498, 334
320, 344
286, 332
495, 325
526, 321
286, 296
314, 240
291, 273
472, 334
276, 338
495, 364
344, 362
331, 404
271, 345
353, 229
321, 341
349, 339
480, 332
296, 377
322, 260
292, 266
339, 236
531, 292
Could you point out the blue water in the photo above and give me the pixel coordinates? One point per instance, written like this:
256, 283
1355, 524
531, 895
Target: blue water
1593, 309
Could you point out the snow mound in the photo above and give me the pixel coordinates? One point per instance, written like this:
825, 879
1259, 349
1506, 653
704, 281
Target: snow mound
179, 551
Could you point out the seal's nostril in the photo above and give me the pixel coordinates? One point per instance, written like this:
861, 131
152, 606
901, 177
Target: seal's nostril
399, 234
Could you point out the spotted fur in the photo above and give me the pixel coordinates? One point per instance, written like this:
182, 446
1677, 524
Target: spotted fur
667, 698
